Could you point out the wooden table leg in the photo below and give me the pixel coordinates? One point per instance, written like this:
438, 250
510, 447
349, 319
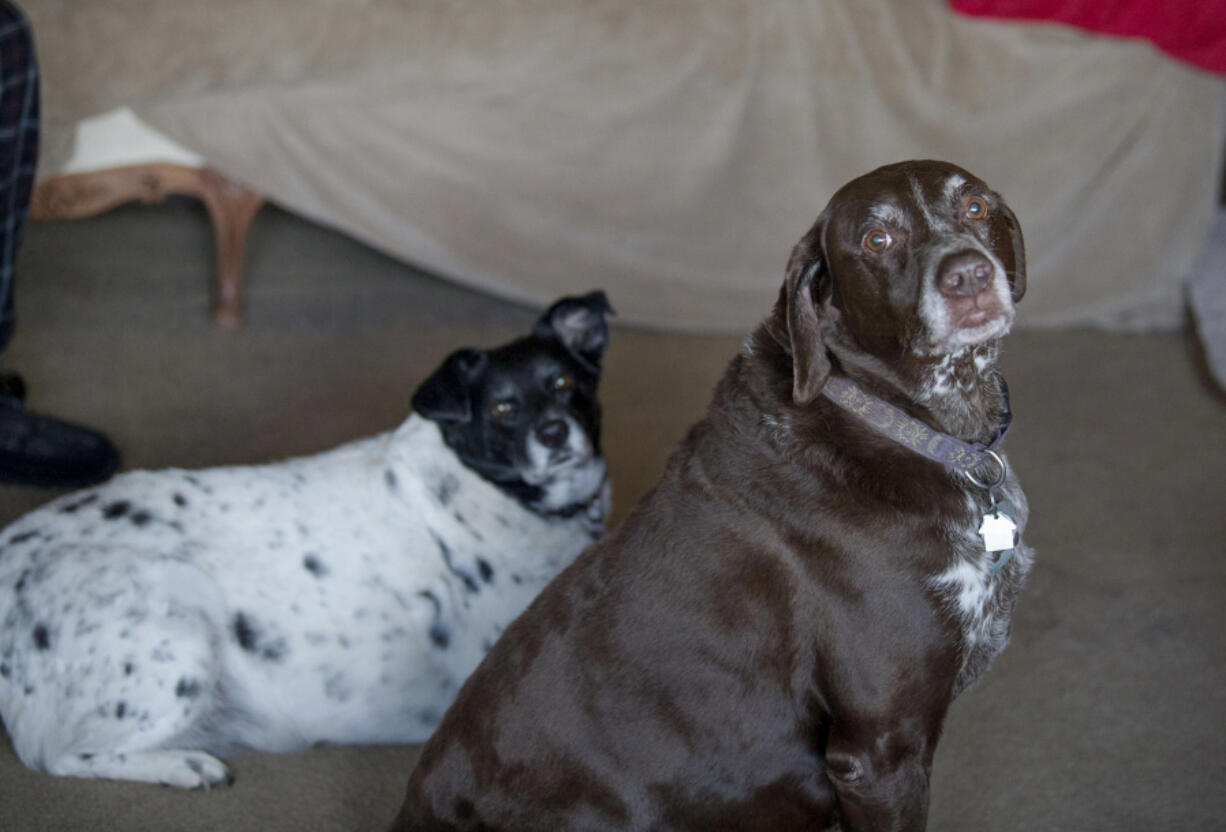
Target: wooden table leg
230, 205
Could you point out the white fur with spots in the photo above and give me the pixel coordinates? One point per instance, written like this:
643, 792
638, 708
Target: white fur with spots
164, 617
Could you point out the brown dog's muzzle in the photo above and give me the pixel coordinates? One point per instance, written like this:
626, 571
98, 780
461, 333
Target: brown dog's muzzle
964, 274
966, 281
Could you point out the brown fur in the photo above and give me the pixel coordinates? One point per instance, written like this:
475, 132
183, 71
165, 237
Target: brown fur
759, 645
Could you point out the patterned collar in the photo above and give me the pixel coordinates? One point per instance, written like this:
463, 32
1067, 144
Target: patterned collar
910, 432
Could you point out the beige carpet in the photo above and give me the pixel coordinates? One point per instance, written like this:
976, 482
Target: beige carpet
1105, 713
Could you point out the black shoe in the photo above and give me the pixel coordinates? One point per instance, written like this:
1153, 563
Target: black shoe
45, 452
14, 385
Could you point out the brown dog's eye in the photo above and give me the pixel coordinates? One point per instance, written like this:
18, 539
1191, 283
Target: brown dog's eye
563, 382
501, 410
877, 240
976, 209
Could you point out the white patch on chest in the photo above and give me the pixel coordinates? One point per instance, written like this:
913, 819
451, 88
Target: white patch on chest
979, 599
968, 585
944, 380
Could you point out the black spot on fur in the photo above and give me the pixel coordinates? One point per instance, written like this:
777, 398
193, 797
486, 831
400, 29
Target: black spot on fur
470, 583
128, 668
249, 637
463, 521
121, 709
389, 477
115, 510
141, 518
180, 500
486, 571
445, 488
315, 566
439, 636
187, 688
42, 639
71, 508
22, 538
243, 633
21, 582
5, 670
438, 633
86, 757
515, 579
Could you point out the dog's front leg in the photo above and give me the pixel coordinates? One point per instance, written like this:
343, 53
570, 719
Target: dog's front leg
880, 777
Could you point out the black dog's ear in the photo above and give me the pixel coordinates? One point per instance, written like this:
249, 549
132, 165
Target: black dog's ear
806, 272
579, 324
1015, 267
447, 395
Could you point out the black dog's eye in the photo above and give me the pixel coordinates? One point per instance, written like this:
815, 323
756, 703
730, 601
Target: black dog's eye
502, 410
877, 240
975, 208
563, 382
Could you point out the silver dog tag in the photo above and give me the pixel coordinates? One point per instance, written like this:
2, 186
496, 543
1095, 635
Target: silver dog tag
998, 530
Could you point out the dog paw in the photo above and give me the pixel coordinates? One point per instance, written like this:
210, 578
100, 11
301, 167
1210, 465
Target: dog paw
168, 767
198, 771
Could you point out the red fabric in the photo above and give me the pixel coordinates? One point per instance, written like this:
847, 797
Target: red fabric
1192, 30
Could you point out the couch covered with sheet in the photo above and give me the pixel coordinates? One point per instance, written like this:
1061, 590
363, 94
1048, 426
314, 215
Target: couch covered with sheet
670, 153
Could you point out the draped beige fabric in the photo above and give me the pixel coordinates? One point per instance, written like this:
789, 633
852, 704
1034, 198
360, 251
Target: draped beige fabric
669, 152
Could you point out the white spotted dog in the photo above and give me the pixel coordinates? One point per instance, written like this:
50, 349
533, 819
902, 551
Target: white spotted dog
166, 617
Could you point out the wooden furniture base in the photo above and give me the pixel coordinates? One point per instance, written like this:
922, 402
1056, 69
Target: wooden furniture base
231, 209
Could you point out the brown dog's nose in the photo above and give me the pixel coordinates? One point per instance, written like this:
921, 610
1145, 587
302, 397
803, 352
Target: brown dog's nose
964, 274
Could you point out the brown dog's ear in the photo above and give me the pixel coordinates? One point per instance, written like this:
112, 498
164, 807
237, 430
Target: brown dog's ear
805, 273
1015, 271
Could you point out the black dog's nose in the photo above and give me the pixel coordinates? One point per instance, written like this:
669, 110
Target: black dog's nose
964, 274
553, 434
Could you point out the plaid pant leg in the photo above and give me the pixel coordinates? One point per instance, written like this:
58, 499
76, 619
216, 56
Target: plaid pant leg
18, 146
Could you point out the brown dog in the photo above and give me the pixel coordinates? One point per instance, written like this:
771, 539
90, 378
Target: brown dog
772, 638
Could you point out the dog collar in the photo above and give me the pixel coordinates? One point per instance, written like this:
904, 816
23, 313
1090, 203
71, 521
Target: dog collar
966, 457
593, 508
